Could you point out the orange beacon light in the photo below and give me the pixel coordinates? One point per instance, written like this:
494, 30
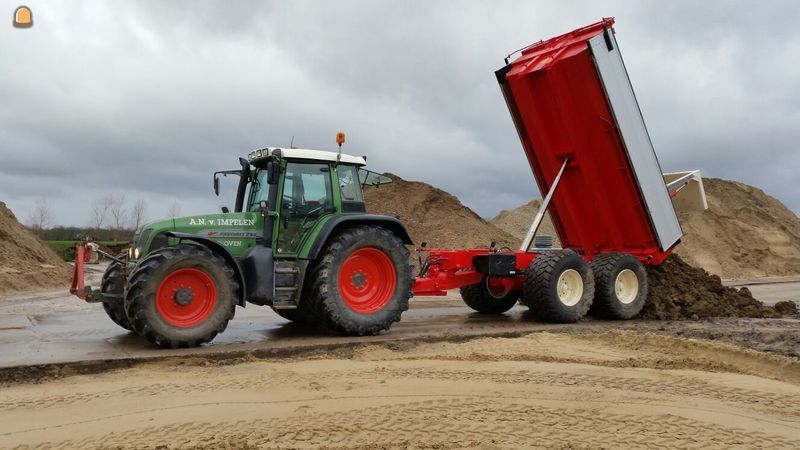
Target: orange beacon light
23, 18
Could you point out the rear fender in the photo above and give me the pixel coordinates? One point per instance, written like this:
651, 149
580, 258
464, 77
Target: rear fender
219, 249
350, 220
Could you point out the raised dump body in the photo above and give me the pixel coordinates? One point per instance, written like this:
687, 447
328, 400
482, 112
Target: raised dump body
571, 99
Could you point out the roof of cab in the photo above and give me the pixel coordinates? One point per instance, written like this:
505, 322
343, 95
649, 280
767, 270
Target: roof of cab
319, 155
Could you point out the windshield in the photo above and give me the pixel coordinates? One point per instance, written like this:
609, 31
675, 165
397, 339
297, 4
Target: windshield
259, 189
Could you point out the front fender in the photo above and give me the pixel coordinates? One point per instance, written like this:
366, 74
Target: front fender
219, 249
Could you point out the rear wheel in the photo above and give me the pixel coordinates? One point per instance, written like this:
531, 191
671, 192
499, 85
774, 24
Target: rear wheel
112, 287
181, 296
558, 286
304, 313
493, 295
363, 282
620, 286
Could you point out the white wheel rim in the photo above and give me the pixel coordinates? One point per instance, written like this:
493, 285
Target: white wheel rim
626, 286
570, 287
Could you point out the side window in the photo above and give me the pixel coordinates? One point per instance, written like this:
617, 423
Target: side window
349, 184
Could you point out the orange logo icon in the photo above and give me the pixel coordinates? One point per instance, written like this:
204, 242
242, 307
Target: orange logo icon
23, 17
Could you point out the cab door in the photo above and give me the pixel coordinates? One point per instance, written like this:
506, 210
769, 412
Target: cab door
306, 195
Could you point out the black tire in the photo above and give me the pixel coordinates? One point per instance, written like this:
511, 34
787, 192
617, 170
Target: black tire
113, 288
541, 290
481, 299
303, 314
607, 303
157, 327
333, 311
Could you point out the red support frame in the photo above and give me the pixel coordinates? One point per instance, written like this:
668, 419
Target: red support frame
452, 269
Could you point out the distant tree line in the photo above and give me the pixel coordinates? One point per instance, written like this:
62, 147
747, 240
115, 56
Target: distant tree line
112, 217
61, 233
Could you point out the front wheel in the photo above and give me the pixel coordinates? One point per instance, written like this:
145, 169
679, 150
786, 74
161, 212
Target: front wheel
559, 286
362, 283
181, 296
112, 287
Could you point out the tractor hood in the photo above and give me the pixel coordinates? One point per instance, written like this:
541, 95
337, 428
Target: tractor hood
236, 231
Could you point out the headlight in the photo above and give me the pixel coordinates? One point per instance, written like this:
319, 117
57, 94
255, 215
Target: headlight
130, 253
136, 253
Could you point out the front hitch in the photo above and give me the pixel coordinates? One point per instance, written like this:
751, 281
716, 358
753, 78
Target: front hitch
83, 252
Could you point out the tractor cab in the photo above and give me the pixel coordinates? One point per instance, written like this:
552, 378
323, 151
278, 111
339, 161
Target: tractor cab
302, 186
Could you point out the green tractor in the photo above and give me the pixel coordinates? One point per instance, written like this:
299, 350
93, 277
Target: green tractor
299, 240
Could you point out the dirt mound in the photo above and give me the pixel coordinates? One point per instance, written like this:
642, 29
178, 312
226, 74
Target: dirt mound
745, 233
434, 216
26, 263
678, 290
517, 221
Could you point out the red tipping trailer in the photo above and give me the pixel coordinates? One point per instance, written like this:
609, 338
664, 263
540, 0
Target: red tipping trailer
587, 144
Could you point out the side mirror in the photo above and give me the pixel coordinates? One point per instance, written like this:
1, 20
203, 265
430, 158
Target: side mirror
216, 185
273, 172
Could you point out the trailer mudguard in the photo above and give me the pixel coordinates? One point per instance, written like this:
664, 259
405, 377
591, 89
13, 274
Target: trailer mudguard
392, 224
219, 249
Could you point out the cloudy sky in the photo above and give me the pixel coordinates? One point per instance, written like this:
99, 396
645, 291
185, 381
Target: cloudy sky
147, 99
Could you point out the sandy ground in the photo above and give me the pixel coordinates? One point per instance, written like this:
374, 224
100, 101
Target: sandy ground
613, 389
435, 381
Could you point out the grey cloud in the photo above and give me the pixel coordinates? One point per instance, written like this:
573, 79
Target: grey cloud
149, 98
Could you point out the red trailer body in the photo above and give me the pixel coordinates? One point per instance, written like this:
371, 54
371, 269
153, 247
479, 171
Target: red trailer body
571, 102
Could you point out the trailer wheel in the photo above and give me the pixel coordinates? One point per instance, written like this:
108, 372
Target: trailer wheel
490, 296
558, 287
362, 284
620, 286
112, 286
181, 296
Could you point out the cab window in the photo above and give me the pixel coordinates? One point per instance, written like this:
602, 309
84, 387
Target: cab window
259, 190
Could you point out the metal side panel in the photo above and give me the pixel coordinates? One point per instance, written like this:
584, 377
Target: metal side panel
635, 138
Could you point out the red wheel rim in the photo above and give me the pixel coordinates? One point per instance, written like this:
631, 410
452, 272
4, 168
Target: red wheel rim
367, 280
186, 297
499, 287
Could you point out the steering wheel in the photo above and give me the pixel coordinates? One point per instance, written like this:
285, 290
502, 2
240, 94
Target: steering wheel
300, 233
288, 202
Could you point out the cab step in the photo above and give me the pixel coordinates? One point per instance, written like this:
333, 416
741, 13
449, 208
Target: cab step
288, 283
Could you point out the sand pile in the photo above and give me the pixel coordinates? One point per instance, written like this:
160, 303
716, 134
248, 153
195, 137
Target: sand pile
678, 290
434, 216
25, 262
745, 233
517, 221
